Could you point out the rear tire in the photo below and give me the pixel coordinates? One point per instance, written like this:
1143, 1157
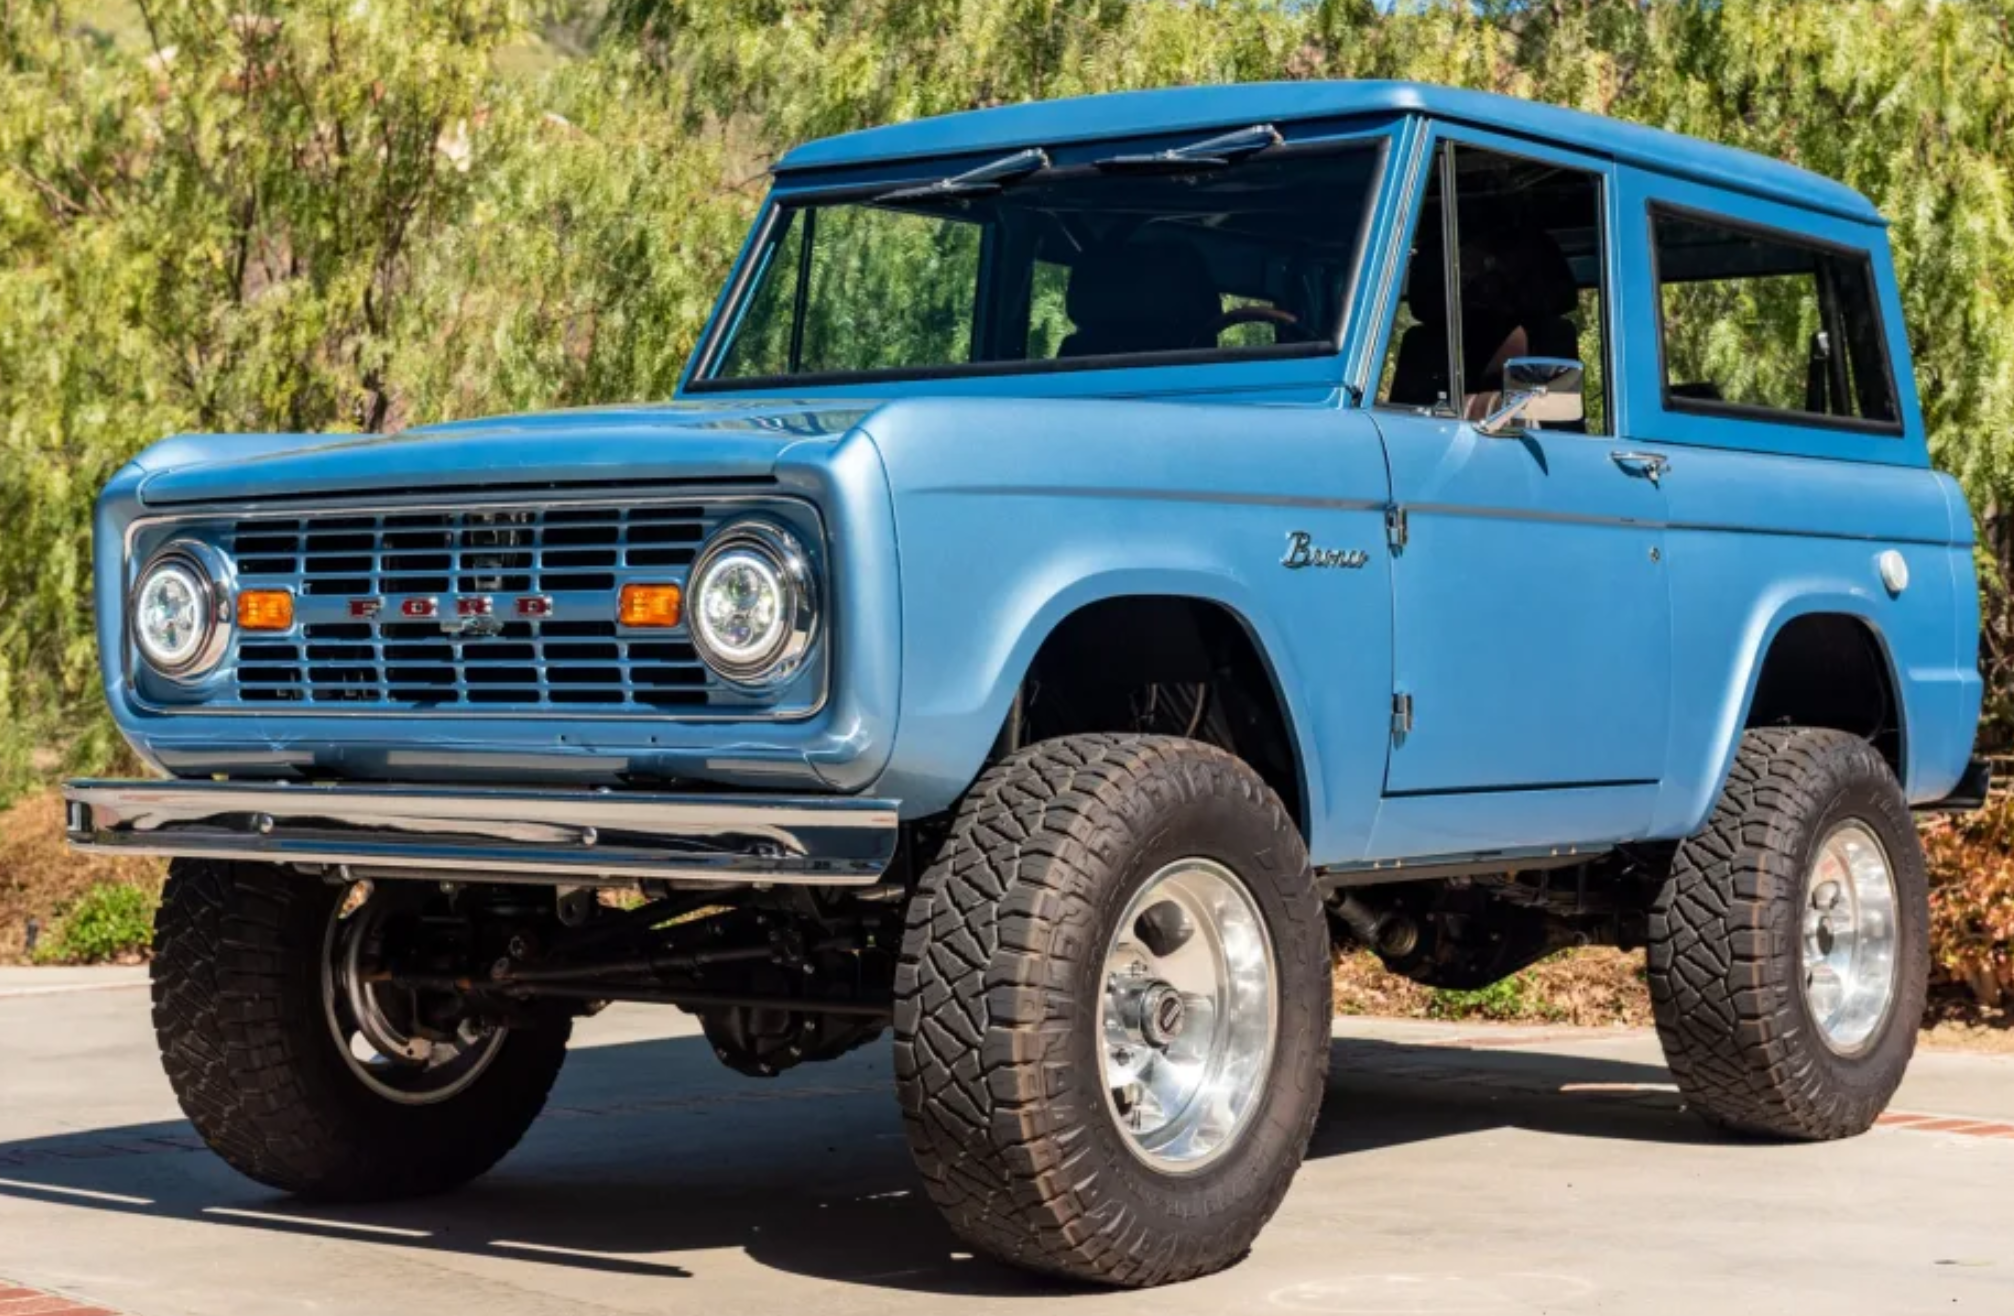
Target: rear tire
246, 1037
1756, 1044
1004, 1009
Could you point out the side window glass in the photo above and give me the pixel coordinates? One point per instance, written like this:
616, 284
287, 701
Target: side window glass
1530, 274
1529, 281
1759, 322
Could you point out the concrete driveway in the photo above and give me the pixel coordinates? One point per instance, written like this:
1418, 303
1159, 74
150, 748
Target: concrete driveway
1456, 1170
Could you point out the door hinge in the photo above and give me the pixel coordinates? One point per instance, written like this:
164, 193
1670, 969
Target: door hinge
1402, 714
1395, 528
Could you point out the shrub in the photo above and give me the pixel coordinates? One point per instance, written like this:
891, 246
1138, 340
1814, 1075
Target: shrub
110, 921
1972, 902
1510, 999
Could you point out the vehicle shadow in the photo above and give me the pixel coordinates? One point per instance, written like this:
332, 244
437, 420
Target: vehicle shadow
651, 1155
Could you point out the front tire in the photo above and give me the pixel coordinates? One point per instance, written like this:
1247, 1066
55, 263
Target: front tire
248, 1021
1100, 905
1789, 951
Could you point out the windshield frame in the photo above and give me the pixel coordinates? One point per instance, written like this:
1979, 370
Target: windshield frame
862, 182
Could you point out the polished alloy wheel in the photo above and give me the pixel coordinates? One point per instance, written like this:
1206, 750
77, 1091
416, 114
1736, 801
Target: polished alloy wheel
388, 1035
1189, 1015
1849, 938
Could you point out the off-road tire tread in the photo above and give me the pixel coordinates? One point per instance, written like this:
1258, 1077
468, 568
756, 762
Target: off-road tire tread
982, 1009
238, 1015
1724, 930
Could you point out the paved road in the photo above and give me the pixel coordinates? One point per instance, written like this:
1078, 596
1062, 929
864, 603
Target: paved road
1456, 1170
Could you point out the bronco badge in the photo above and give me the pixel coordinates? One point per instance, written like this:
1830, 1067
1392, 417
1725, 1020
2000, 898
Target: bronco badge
1302, 552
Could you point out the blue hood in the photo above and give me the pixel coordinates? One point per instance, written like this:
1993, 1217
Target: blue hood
602, 445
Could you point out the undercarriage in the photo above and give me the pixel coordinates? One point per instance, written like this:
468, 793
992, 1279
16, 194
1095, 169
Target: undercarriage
790, 975
777, 978
1468, 930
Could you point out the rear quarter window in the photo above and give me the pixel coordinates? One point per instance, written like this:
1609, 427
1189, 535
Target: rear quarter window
1758, 323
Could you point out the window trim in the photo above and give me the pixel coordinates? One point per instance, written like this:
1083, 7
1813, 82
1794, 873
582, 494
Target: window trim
1376, 142
1754, 412
1451, 277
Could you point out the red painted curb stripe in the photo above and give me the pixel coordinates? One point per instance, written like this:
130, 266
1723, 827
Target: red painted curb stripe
18, 1300
1963, 1126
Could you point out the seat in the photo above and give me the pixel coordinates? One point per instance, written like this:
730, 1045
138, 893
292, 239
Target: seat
1517, 292
1143, 295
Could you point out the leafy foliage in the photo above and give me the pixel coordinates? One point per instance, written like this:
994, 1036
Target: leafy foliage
110, 921
1502, 1001
362, 214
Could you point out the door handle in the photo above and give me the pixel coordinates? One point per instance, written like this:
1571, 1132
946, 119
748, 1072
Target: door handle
1650, 465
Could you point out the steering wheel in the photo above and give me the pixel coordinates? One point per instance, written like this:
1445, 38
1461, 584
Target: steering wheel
1286, 325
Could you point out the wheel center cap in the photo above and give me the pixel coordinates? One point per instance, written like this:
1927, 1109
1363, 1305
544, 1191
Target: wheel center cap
1163, 1014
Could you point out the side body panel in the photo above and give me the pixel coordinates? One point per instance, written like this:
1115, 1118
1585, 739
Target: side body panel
1774, 520
1011, 517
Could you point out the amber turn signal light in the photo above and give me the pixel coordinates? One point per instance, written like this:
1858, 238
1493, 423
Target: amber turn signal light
266, 609
655, 606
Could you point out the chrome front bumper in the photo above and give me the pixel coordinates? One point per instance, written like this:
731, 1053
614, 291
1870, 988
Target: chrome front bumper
571, 837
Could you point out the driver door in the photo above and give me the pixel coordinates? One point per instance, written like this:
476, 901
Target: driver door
1531, 619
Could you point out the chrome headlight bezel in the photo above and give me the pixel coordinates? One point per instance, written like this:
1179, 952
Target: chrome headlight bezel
208, 572
782, 555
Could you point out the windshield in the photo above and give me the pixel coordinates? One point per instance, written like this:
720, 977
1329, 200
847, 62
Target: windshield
1092, 265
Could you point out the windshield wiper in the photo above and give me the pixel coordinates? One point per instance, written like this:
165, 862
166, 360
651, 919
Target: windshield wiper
1211, 153
983, 181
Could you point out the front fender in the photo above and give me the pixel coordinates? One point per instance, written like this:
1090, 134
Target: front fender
954, 720
1012, 516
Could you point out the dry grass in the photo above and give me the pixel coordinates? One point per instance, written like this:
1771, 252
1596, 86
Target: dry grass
39, 875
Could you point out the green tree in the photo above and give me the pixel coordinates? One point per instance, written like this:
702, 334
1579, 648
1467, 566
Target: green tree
364, 214
216, 235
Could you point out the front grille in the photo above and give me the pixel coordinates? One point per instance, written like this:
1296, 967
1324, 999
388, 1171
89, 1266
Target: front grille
357, 648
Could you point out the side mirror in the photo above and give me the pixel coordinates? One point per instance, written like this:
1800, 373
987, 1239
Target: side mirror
1540, 390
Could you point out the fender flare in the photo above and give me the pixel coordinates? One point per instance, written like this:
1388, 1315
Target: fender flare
1216, 589
1766, 624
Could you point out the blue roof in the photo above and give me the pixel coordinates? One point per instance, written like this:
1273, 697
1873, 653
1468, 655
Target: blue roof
1182, 109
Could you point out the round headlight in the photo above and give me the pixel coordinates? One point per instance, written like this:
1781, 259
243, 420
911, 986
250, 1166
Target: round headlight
752, 604
180, 620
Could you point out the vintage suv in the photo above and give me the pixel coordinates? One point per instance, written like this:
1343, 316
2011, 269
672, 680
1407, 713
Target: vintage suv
1103, 555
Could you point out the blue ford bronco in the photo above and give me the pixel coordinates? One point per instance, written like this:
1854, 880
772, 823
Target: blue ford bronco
1103, 556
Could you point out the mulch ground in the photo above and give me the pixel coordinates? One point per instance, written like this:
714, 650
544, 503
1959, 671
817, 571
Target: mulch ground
1593, 988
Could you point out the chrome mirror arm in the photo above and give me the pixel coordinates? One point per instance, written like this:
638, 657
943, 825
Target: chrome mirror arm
1500, 420
1528, 382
